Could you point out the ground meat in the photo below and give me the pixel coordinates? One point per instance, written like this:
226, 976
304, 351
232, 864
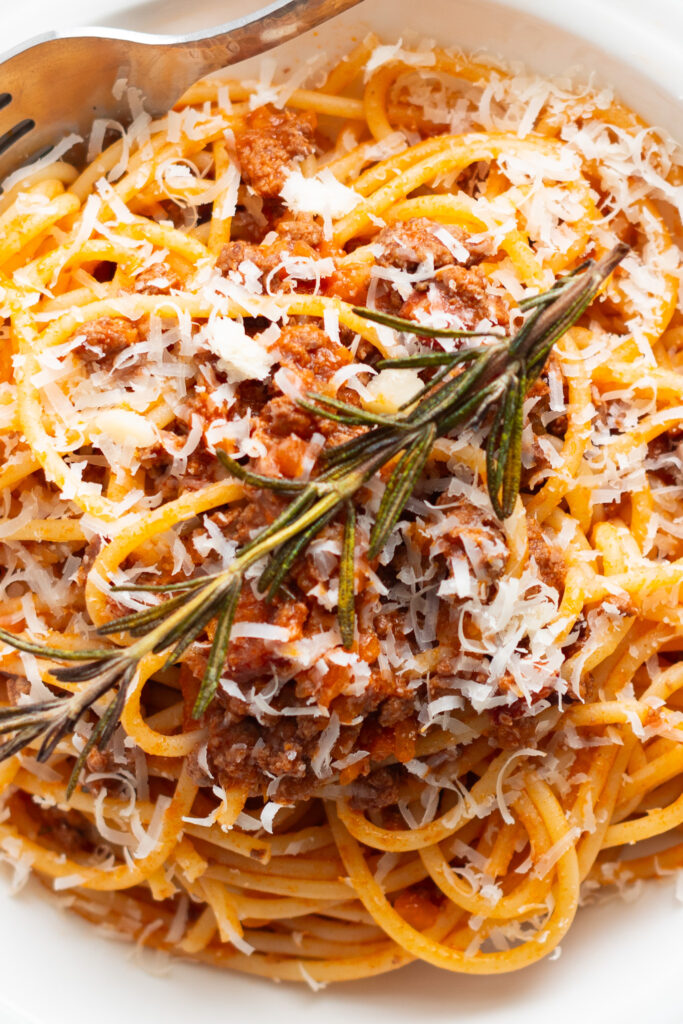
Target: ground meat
16, 687
250, 741
271, 144
327, 680
90, 553
158, 279
301, 227
240, 521
475, 532
407, 244
288, 454
538, 416
283, 418
237, 752
513, 727
257, 218
665, 457
311, 352
378, 789
104, 761
380, 718
249, 655
202, 468
248, 753
66, 831
551, 565
308, 575
285, 431
270, 261
101, 760
395, 710
234, 253
447, 673
105, 338
458, 292
251, 396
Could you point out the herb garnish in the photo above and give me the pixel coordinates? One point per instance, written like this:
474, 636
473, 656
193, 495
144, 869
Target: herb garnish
469, 387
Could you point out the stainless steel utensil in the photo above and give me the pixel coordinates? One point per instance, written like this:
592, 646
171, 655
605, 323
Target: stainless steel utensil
60, 82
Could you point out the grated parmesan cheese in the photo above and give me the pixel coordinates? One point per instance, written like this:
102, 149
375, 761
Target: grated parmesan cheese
239, 356
322, 194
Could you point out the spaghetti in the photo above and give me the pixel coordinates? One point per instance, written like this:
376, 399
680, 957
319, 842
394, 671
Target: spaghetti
507, 719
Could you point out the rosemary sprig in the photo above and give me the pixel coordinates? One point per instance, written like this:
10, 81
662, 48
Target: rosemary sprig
471, 387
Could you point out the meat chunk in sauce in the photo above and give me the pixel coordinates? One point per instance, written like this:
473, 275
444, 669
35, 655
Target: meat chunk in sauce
16, 687
241, 521
463, 294
314, 358
67, 831
283, 418
105, 338
273, 141
158, 279
476, 533
542, 418
379, 789
418, 240
311, 352
274, 262
665, 457
551, 565
301, 227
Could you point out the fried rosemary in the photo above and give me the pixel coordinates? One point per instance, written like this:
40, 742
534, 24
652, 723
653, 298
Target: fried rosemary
483, 385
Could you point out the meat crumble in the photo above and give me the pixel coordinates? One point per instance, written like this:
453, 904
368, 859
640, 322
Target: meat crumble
105, 338
270, 145
408, 244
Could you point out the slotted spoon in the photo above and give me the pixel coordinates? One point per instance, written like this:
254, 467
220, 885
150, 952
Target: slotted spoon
60, 83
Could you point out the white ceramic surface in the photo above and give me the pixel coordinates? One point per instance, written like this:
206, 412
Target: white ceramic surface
620, 962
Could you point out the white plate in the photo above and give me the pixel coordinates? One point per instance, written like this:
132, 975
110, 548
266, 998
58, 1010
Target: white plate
620, 962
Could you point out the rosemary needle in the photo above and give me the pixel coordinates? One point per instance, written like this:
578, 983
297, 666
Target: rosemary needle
482, 385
